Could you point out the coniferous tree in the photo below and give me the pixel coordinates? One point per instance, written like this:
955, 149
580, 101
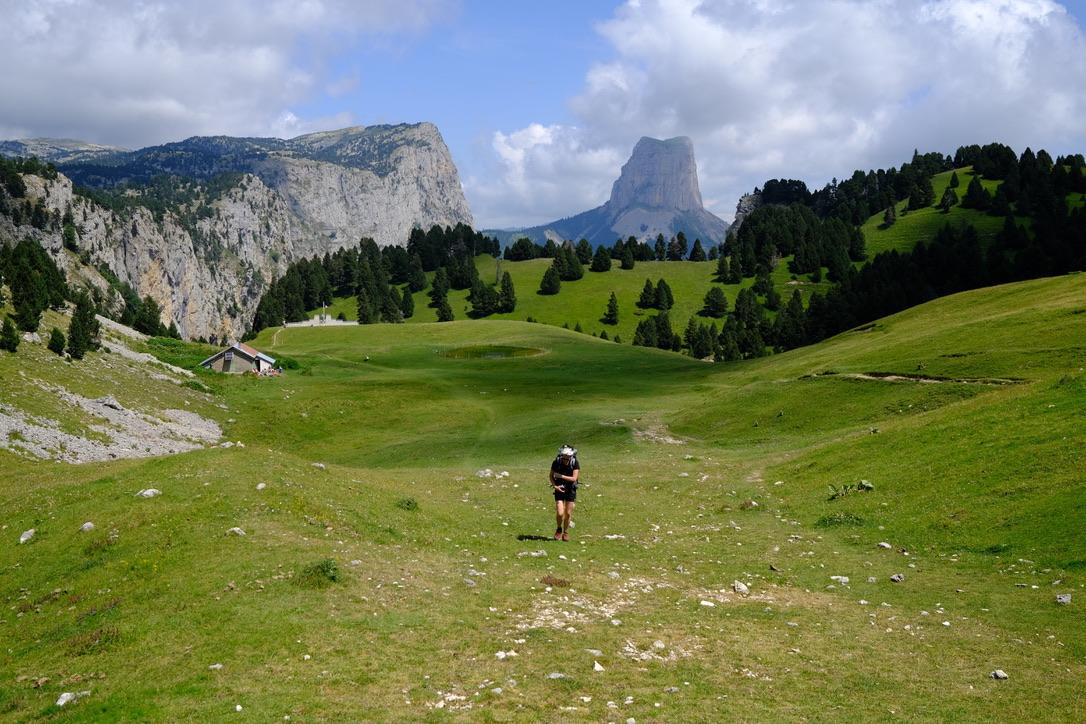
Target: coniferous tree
611, 315
788, 327
647, 300
729, 342
645, 334
9, 337
735, 269
697, 253
954, 182
664, 299
56, 341
366, 312
444, 311
507, 297
83, 329
407, 304
714, 252
716, 304
416, 277
627, 259
601, 260
551, 282
772, 299
723, 274
570, 269
439, 287
584, 251
392, 306
660, 249
665, 337
976, 196
949, 200
889, 217
149, 318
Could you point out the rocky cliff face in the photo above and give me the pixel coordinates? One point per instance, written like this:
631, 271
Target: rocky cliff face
747, 204
656, 193
208, 258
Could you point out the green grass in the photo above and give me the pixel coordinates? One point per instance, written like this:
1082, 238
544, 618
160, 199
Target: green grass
922, 224
979, 483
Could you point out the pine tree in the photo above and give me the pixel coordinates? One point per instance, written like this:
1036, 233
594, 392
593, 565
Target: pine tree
444, 311
976, 196
716, 304
407, 304
507, 297
366, 312
647, 300
83, 329
9, 337
664, 299
735, 269
665, 338
439, 287
628, 259
601, 260
584, 251
954, 182
645, 334
611, 315
697, 253
660, 249
416, 277
392, 306
949, 200
729, 343
551, 282
56, 341
723, 274
889, 217
772, 299
690, 333
149, 318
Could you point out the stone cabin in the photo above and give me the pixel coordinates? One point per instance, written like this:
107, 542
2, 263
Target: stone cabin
239, 358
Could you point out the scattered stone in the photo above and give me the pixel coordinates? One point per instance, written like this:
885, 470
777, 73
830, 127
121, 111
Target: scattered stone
68, 697
32, 337
748, 505
740, 588
226, 444
872, 579
319, 466
1063, 598
671, 690
532, 554
897, 577
261, 486
237, 707
708, 604
497, 690
87, 527
149, 493
865, 485
843, 580
236, 531
27, 535
215, 667
885, 545
556, 675
596, 666
469, 582
999, 674
594, 652
306, 657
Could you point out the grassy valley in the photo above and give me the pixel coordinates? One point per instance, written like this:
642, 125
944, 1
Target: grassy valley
392, 486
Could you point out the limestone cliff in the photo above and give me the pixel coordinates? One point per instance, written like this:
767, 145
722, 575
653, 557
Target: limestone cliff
656, 193
208, 252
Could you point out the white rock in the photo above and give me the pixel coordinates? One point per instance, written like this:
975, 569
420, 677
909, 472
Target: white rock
261, 486
32, 337
740, 588
215, 667
68, 697
237, 707
1063, 598
594, 652
149, 493
840, 579
27, 535
235, 531
596, 666
556, 675
897, 577
885, 545
226, 444
306, 657
532, 554
708, 604
497, 690
319, 466
87, 527
999, 674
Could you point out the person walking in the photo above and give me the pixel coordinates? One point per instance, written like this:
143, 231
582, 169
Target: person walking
565, 472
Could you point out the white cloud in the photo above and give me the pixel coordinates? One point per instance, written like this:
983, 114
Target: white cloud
134, 73
769, 88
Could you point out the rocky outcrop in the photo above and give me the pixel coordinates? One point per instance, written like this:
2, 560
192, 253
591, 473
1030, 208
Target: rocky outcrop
57, 150
207, 260
747, 204
656, 193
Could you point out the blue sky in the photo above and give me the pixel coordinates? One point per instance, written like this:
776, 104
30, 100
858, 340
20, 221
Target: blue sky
541, 103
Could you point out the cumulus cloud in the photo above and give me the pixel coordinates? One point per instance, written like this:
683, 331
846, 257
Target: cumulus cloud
767, 88
135, 73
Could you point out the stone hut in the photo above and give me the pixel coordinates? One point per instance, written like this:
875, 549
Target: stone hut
239, 358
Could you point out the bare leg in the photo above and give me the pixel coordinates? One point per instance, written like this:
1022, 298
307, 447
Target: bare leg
559, 515
568, 513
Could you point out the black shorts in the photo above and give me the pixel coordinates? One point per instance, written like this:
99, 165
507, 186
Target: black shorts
569, 496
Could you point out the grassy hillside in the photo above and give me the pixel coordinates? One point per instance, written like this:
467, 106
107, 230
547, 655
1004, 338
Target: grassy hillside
922, 224
975, 468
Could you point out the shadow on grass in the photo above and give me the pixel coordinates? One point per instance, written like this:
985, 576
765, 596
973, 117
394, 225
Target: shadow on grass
524, 536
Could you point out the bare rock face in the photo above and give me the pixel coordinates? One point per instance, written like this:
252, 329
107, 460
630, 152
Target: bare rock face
746, 206
208, 261
656, 193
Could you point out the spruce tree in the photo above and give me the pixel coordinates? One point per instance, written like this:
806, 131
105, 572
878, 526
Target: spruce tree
9, 337
976, 196
416, 277
407, 304
954, 182
949, 200
611, 315
665, 337
551, 282
392, 306
664, 299
660, 249
645, 334
735, 269
697, 253
584, 251
83, 329
627, 259
507, 297
56, 341
440, 286
444, 311
716, 304
647, 300
723, 274
601, 260
366, 313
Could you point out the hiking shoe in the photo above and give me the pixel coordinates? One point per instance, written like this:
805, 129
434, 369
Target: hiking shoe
558, 534
565, 536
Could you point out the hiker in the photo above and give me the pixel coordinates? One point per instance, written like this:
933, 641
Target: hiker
565, 472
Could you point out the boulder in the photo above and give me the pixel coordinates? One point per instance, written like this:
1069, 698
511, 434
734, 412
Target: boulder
27, 535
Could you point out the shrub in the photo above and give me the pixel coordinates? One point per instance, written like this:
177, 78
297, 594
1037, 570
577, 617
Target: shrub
321, 574
839, 519
57, 341
407, 504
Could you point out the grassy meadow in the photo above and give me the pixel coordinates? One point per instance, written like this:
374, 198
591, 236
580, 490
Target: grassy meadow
965, 414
